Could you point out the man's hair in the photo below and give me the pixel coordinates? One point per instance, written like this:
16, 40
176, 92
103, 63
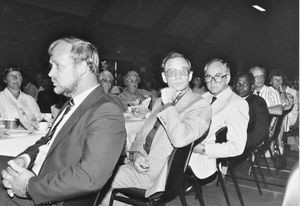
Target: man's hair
172, 55
81, 51
249, 76
277, 72
222, 62
257, 68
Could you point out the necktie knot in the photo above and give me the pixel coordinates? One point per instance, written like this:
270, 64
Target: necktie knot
70, 104
257, 92
213, 99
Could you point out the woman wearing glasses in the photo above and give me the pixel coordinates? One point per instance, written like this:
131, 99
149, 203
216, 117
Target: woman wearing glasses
132, 95
106, 80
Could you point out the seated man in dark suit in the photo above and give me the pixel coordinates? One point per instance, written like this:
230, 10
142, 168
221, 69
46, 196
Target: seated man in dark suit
258, 126
79, 153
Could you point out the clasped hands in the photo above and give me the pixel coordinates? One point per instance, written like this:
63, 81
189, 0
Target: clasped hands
15, 177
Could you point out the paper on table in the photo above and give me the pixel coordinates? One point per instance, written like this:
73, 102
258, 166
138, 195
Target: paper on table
145, 103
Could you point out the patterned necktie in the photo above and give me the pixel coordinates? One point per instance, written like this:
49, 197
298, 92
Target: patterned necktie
151, 134
70, 104
213, 99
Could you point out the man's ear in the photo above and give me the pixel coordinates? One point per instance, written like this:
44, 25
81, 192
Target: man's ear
190, 76
164, 77
228, 77
82, 68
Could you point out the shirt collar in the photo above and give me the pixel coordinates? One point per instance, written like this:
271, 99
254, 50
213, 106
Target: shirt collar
80, 97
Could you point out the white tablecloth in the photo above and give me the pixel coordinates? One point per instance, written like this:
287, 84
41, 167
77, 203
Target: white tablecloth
12, 146
132, 128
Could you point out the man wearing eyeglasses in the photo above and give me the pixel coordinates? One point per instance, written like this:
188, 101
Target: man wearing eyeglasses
177, 119
228, 110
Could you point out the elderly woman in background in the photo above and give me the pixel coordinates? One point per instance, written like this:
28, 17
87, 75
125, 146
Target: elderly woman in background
132, 95
106, 79
14, 104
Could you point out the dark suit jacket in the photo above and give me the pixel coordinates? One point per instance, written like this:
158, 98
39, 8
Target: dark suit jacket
258, 126
83, 154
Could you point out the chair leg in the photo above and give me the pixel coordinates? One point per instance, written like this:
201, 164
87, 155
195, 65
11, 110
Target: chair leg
260, 173
112, 197
182, 196
273, 160
255, 176
223, 187
236, 185
199, 193
266, 163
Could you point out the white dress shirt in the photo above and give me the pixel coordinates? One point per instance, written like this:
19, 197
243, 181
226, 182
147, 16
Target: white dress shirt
270, 95
43, 150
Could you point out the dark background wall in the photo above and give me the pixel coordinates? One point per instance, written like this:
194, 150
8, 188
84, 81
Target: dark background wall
138, 33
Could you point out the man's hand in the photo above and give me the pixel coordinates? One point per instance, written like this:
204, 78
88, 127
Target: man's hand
141, 163
9, 173
168, 95
15, 179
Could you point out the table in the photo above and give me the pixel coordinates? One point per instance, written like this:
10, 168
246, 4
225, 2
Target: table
132, 128
12, 146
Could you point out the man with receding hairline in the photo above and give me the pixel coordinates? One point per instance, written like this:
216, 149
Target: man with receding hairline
228, 110
79, 153
177, 119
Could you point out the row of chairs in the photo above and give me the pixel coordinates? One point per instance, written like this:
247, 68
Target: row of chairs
179, 173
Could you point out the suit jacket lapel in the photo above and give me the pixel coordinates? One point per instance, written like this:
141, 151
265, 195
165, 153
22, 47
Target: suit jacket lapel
93, 97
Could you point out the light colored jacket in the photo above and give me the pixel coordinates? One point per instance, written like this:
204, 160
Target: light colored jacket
182, 124
231, 111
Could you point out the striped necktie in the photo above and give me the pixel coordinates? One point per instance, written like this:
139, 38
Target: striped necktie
151, 134
69, 106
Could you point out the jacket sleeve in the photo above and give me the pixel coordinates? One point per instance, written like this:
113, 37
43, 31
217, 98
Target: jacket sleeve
184, 130
258, 127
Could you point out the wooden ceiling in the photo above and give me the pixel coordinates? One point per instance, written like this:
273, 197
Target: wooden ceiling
142, 30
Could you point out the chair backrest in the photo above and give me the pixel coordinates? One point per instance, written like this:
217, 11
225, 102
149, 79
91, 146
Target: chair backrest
221, 135
177, 165
178, 162
275, 131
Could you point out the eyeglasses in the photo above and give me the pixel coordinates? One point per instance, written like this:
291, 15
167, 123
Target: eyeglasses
106, 80
259, 76
12, 76
217, 78
132, 80
176, 72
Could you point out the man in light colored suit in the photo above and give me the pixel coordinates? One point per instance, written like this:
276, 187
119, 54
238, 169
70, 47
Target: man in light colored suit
228, 110
179, 116
79, 153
